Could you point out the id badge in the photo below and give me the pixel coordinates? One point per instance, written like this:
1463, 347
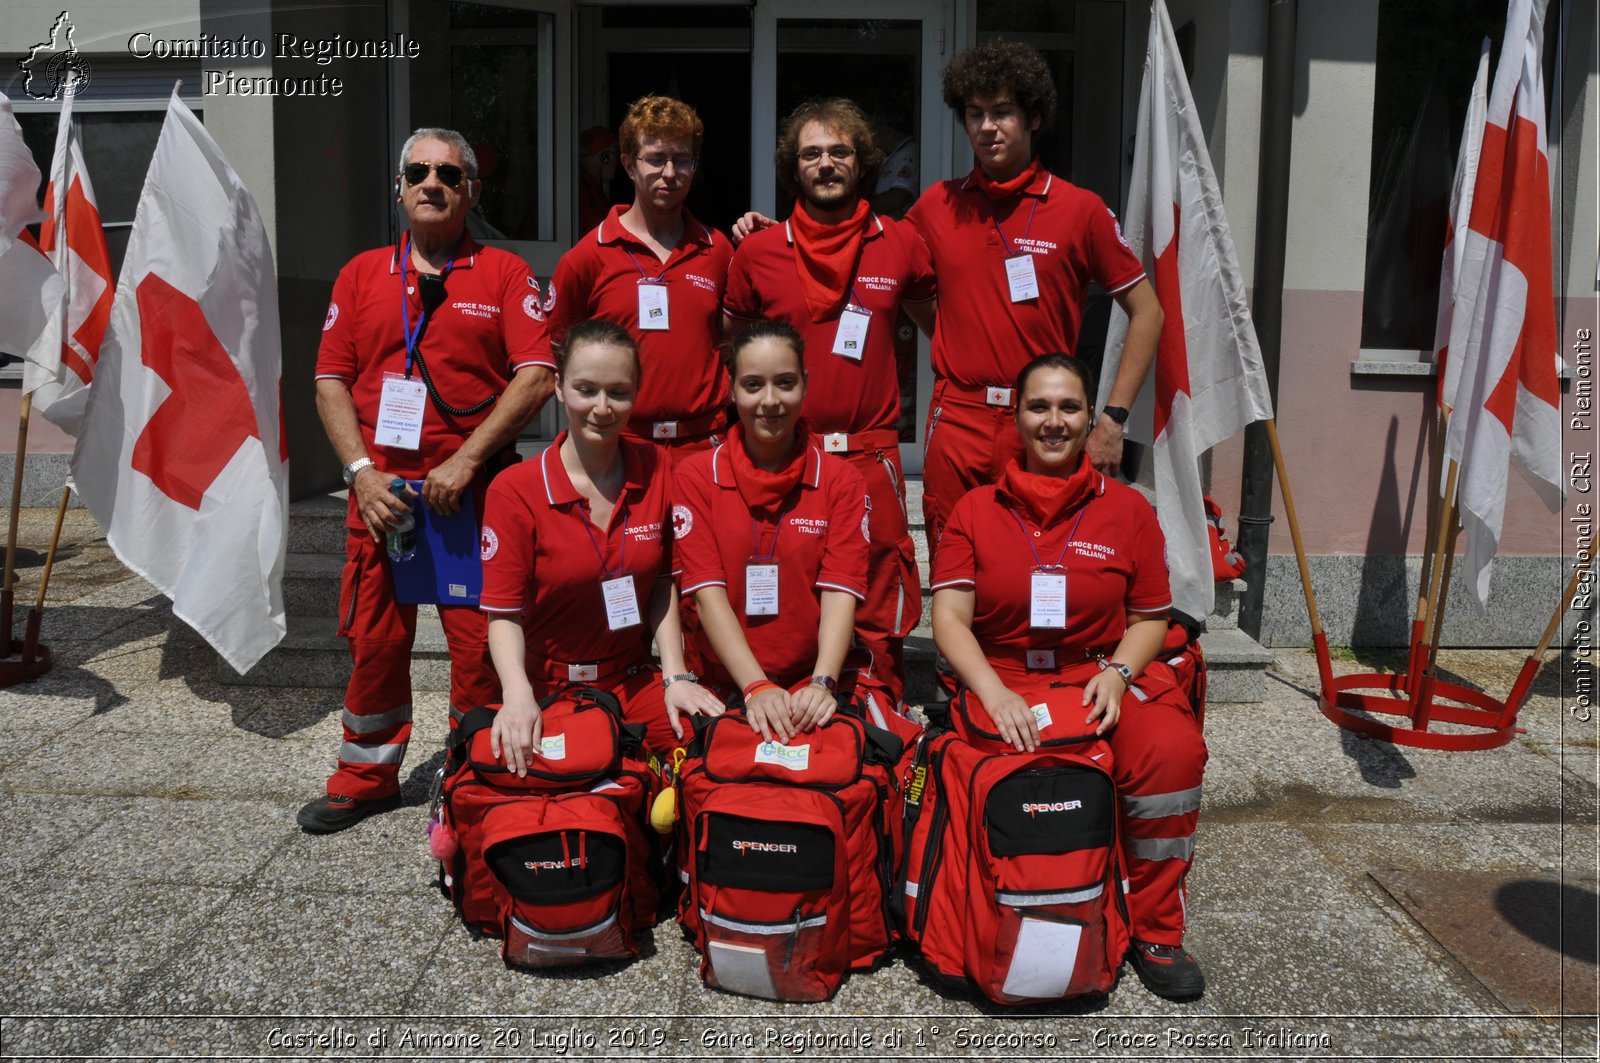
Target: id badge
653, 316
1047, 605
850, 341
400, 408
622, 603
760, 589
1021, 279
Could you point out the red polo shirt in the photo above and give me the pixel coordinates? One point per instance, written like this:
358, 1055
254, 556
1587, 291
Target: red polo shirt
683, 376
542, 556
821, 545
842, 394
983, 338
1115, 559
491, 324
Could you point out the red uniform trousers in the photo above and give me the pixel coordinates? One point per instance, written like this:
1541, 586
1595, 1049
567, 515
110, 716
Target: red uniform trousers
968, 444
377, 702
1158, 759
894, 590
636, 684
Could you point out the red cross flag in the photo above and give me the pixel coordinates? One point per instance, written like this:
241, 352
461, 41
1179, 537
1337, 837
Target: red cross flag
61, 363
1461, 188
182, 458
1502, 383
1209, 381
31, 286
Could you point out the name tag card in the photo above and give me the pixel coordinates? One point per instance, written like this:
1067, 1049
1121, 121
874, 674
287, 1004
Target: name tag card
850, 341
1021, 279
760, 589
622, 603
400, 408
653, 315
1047, 606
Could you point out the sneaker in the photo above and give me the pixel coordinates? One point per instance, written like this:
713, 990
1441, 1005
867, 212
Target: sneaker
1167, 970
335, 812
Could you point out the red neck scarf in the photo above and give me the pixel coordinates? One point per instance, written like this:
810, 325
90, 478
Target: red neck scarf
1047, 498
760, 489
825, 256
998, 190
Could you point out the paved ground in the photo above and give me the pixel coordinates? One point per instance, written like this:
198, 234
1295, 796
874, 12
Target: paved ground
156, 899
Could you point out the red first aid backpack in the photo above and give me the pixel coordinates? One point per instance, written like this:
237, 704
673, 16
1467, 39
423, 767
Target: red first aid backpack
1013, 872
788, 853
557, 863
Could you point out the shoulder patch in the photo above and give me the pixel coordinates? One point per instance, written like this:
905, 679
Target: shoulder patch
682, 521
489, 543
333, 315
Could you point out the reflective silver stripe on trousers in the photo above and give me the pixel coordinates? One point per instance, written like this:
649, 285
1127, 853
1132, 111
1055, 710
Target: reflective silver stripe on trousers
911, 888
355, 753
1026, 900
1154, 806
365, 725
1164, 848
763, 928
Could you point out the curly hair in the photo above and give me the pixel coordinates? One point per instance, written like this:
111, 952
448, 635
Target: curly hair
996, 66
841, 117
663, 118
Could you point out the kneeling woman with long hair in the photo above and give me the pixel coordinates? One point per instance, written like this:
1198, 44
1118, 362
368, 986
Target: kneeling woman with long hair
1054, 581
578, 561
772, 544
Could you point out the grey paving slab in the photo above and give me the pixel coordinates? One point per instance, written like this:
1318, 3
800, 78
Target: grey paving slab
192, 843
54, 1035
53, 704
17, 744
385, 854
298, 952
86, 946
234, 765
133, 764
1361, 847
1234, 862
40, 827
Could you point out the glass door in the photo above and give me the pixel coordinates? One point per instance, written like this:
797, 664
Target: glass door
886, 56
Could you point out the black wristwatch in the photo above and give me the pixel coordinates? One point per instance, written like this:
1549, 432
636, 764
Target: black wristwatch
826, 682
1118, 414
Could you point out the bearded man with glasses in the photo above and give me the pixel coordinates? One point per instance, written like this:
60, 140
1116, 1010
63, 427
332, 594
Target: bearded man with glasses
656, 271
434, 355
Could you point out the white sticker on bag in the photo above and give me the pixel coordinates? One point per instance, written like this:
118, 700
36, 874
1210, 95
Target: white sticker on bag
553, 747
1041, 714
795, 758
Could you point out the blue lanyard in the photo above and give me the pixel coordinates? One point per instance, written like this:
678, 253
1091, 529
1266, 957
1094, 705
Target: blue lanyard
622, 560
755, 531
1003, 241
855, 303
643, 276
1073, 534
413, 335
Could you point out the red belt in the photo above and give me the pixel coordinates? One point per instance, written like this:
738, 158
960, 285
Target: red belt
850, 442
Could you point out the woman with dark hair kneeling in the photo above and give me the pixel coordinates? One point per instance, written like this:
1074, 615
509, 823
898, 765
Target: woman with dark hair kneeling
578, 561
771, 542
1056, 575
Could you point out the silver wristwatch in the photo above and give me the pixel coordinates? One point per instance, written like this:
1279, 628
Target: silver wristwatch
1121, 669
353, 468
681, 677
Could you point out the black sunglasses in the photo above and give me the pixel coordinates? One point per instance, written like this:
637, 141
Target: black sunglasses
450, 174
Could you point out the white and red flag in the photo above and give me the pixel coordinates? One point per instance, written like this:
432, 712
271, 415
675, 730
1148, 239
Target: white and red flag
1502, 383
1461, 189
30, 287
1209, 381
61, 363
182, 458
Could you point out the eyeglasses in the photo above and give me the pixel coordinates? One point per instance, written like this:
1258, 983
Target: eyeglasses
450, 174
681, 163
838, 153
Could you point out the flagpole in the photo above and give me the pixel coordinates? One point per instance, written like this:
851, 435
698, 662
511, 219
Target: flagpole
1530, 667
16, 512
1318, 638
30, 638
1438, 586
1422, 616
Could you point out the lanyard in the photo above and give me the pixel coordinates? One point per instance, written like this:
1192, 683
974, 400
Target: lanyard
777, 526
643, 276
854, 302
413, 336
996, 218
1073, 534
588, 526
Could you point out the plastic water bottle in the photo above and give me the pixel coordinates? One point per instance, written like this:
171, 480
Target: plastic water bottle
402, 539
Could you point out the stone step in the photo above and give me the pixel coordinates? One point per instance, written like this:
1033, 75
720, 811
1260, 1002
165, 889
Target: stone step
316, 524
1236, 667
311, 584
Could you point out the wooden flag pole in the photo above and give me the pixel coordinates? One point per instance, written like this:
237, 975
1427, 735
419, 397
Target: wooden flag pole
1448, 526
1319, 639
30, 639
1519, 689
1436, 507
16, 513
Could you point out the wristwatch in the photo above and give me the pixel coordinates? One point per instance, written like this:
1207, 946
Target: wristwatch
826, 682
1118, 414
1121, 669
355, 467
681, 677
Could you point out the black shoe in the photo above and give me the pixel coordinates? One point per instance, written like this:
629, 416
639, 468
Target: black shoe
335, 812
1167, 970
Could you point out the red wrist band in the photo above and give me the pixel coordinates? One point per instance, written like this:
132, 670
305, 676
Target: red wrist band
758, 686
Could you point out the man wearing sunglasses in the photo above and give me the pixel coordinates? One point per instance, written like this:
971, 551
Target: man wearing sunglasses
434, 356
656, 271
840, 275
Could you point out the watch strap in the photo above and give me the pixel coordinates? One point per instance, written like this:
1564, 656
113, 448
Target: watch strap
1118, 414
